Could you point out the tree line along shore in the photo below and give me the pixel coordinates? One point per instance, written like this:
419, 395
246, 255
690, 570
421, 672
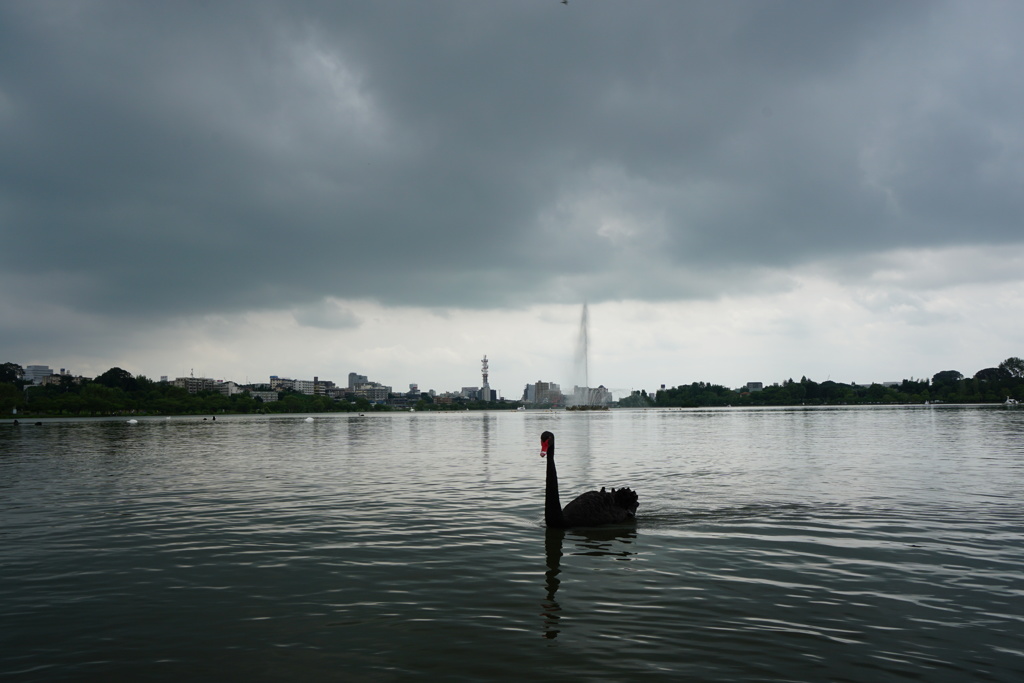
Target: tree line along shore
118, 392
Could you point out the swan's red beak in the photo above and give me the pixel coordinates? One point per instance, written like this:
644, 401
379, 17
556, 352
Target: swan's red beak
544, 448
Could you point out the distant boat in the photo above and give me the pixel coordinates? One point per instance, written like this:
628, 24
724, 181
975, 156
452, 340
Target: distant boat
1011, 402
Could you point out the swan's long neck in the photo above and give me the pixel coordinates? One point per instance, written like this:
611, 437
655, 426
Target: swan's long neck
552, 505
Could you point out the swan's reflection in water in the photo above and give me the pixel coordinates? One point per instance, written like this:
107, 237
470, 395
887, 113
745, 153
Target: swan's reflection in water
598, 542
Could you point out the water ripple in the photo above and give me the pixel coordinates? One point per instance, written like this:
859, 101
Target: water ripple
770, 546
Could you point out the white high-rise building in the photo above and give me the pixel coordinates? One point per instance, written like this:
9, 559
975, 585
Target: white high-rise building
36, 373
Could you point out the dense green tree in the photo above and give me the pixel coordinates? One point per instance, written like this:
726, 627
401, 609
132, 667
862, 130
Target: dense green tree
11, 372
1013, 367
916, 391
946, 385
11, 398
989, 375
696, 394
637, 399
797, 391
101, 400
116, 378
812, 390
946, 377
878, 393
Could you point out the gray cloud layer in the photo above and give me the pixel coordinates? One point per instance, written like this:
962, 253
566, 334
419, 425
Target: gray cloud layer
176, 158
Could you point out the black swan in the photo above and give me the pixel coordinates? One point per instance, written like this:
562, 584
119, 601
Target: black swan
592, 508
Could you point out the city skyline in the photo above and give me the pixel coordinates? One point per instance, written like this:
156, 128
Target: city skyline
739, 191
36, 374
577, 394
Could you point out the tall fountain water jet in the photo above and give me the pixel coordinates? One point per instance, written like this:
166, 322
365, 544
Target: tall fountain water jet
582, 350
583, 396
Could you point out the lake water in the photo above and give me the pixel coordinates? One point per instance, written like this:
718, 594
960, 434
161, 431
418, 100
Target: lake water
849, 544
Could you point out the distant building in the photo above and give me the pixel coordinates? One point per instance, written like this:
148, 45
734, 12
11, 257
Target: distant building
543, 393
228, 388
265, 396
55, 380
281, 383
372, 392
310, 387
36, 373
195, 384
754, 386
359, 386
304, 386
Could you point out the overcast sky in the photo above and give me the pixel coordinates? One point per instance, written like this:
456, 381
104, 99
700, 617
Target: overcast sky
740, 191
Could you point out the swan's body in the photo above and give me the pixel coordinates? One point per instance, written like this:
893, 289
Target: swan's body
592, 508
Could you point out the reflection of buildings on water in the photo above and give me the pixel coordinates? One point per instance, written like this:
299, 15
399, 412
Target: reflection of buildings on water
588, 543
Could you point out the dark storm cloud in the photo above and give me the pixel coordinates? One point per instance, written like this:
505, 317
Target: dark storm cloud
191, 157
